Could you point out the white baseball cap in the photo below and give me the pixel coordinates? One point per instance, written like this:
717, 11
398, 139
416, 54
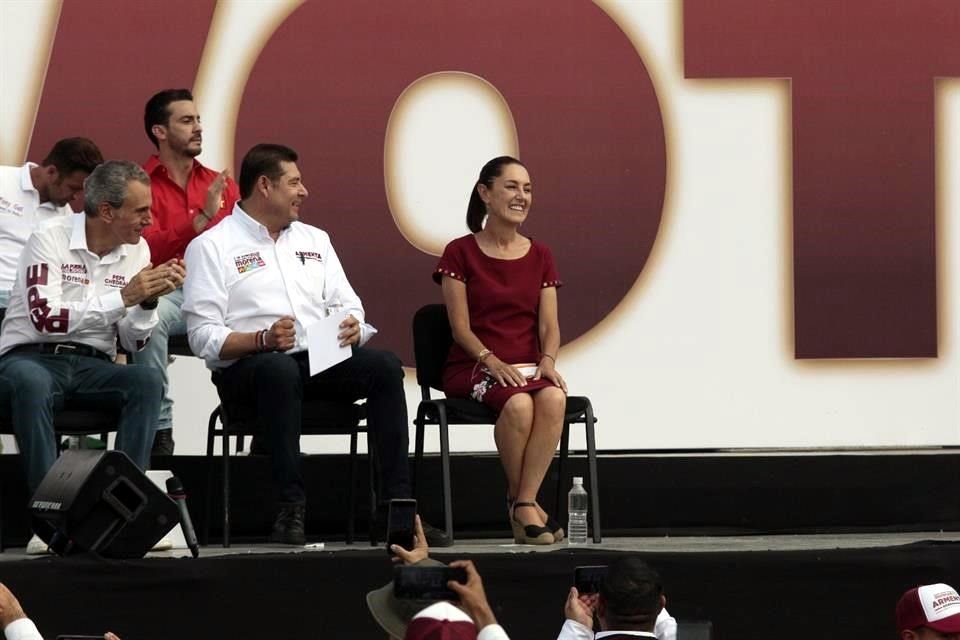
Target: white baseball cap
936, 606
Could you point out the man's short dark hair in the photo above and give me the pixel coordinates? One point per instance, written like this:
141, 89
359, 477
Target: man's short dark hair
631, 593
157, 110
73, 154
263, 160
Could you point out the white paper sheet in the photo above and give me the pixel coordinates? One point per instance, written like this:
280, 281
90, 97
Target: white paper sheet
323, 347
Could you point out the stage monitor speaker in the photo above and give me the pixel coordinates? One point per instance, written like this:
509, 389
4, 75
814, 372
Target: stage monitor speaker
100, 502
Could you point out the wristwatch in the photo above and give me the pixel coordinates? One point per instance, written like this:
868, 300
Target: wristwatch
150, 305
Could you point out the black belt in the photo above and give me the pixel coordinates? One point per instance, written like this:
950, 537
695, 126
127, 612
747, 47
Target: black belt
64, 349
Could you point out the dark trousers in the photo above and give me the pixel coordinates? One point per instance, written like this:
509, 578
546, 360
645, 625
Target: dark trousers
274, 385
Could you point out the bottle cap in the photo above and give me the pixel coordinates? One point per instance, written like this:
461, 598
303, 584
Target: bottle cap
577, 480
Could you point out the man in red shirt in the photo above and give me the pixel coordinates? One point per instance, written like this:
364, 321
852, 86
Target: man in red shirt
188, 198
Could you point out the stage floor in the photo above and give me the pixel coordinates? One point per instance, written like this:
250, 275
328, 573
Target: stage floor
668, 544
789, 587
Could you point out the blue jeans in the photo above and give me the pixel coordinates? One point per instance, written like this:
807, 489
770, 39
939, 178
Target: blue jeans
156, 355
38, 385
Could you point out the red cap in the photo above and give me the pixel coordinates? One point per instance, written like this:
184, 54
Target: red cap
441, 621
430, 629
935, 606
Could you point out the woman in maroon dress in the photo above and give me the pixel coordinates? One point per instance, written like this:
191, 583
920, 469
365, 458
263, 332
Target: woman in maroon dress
500, 289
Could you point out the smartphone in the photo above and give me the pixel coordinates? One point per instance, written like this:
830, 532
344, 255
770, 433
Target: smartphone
427, 583
589, 579
400, 523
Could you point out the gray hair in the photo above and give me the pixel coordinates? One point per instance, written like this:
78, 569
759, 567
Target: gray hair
108, 183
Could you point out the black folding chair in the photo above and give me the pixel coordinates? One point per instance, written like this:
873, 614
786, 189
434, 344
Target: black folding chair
73, 420
320, 418
179, 346
431, 344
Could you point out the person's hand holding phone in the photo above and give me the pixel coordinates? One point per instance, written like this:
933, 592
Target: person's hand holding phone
580, 607
473, 598
420, 551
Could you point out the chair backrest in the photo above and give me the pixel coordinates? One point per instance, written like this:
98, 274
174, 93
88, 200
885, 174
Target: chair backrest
431, 344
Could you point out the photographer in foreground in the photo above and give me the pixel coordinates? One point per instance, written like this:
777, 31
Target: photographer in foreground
422, 620
630, 604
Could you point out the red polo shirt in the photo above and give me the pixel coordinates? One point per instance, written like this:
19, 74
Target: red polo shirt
173, 209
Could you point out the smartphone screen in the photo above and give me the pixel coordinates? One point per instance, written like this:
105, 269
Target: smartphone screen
589, 579
400, 523
427, 583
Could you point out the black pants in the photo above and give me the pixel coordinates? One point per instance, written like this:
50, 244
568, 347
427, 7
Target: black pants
274, 386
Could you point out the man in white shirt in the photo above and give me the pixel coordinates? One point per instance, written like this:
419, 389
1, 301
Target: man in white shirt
630, 604
32, 194
81, 281
257, 280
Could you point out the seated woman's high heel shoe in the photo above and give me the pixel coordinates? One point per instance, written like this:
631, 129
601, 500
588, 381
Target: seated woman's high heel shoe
529, 533
553, 526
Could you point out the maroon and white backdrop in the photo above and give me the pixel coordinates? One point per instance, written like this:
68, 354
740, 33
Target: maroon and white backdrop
753, 205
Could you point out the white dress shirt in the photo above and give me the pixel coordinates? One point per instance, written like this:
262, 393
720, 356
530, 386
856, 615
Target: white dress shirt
20, 215
239, 279
665, 629
66, 293
22, 629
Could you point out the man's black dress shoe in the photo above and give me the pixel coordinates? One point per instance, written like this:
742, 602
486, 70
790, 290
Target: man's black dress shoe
162, 443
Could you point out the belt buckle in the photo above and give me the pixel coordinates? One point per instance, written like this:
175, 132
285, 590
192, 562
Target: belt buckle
64, 348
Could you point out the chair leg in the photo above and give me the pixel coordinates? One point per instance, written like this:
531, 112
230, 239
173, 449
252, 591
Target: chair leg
594, 481
226, 487
351, 492
445, 471
559, 507
418, 449
1, 520
208, 498
374, 475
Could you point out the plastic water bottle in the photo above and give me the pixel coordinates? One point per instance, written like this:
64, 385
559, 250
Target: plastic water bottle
577, 513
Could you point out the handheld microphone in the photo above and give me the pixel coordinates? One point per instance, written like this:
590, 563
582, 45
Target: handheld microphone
179, 496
